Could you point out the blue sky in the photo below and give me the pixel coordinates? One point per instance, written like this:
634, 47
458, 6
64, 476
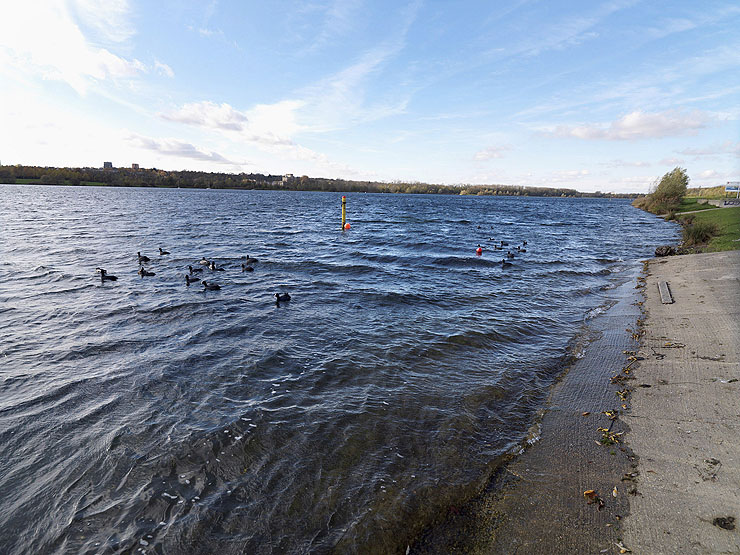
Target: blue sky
590, 95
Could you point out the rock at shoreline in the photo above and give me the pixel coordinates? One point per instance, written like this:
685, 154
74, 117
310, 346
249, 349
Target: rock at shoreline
665, 250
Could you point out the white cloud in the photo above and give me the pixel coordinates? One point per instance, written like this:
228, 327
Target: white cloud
671, 161
267, 124
269, 127
163, 69
713, 177
710, 174
639, 125
491, 152
43, 39
177, 148
209, 114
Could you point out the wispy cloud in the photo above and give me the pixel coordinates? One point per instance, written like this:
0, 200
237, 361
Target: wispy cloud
567, 176
339, 19
727, 147
110, 20
491, 153
651, 86
566, 31
619, 163
178, 149
638, 125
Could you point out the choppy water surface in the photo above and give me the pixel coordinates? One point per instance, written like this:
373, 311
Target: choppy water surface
144, 415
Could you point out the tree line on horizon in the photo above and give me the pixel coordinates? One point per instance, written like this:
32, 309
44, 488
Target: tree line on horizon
153, 177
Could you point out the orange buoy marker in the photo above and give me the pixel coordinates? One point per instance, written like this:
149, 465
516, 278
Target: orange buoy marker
479, 250
347, 226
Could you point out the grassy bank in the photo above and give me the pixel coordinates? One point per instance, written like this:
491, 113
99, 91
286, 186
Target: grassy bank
692, 204
722, 224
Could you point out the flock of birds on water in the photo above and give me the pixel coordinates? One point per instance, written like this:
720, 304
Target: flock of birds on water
193, 273
248, 266
509, 254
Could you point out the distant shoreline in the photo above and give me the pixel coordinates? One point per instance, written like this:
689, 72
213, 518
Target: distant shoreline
94, 184
156, 178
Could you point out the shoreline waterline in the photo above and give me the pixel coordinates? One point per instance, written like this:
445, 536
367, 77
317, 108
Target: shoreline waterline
533, 501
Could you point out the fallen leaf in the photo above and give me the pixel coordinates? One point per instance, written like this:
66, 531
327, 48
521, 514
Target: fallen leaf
615, 492
585, 413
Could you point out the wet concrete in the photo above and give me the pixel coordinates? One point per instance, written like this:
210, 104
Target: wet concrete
536, 502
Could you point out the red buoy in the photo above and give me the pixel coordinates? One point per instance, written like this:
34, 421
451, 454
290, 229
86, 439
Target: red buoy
347, 226
479, 251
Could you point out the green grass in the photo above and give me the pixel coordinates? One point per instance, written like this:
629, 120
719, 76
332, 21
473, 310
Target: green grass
707, 192
691, 204
24, 181
727, 221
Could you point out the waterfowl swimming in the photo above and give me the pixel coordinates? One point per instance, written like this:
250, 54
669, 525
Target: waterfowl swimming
505, 264
193, 270
213, 268
210, 286
142, 258
509, 254
189, 280
520, 249
282, 297
524, 242
142, 272
246, 268
104, 275
251, 260
204, 261
161, 252
504, 244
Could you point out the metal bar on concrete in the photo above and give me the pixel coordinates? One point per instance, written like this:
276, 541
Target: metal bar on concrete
665, 292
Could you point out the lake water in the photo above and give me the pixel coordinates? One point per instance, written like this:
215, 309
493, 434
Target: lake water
143, 415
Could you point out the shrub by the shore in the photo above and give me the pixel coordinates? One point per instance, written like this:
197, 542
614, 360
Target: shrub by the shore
665, 196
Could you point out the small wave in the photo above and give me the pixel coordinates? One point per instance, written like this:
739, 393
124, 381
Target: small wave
581, 273
382, 258
599, 310
464, 262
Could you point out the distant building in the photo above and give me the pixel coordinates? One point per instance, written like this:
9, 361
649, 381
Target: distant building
287, 178
134, 166
107, 165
